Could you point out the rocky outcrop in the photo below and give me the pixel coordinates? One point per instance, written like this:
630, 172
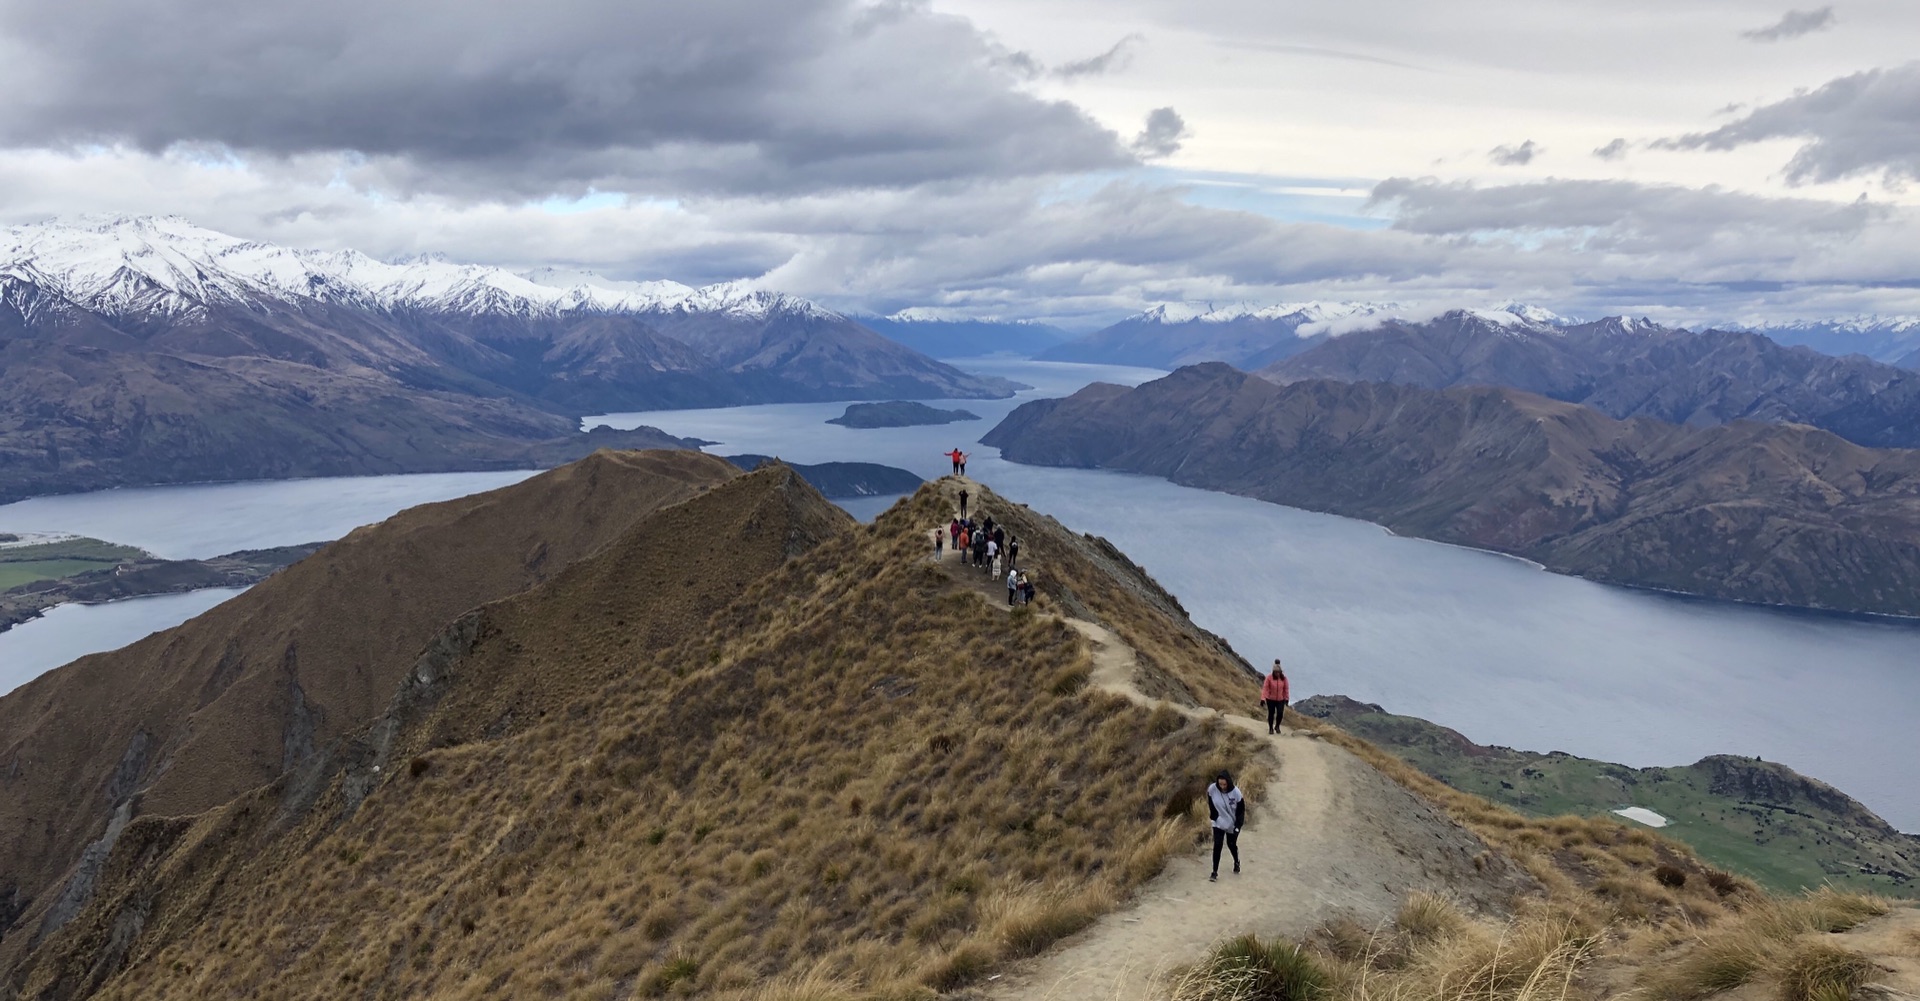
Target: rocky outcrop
1774, 513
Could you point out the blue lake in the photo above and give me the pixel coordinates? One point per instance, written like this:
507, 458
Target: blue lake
1491, 646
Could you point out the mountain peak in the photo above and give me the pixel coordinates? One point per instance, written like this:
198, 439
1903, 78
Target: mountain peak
128, 265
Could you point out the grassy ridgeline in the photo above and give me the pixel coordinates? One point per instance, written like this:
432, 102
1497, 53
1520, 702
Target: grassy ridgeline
858, 770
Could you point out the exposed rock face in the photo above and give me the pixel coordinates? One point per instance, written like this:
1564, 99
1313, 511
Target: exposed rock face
1629, 368
1776, 513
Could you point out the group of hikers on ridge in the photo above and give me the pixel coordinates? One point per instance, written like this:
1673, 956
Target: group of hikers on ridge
985, 544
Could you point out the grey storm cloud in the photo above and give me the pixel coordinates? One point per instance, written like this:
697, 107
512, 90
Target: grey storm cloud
1612, 151
1613, 214
1162, 137
1860, 124
1792, 25
493, 97
1514, 156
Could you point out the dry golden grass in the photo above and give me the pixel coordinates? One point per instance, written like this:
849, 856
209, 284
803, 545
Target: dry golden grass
1770, 939
1432, 952
855, 779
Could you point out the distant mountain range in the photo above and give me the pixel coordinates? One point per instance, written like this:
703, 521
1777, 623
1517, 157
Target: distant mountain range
948, 338
1251, 335
150, 350
1774, 513
1630, 368
1245, 335
1893, 339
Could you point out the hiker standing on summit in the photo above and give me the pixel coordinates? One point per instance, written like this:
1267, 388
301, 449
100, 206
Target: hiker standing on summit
959, 461
1227, 808
1273, 694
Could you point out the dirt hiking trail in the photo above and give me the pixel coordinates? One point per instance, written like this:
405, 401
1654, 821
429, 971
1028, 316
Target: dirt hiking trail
1329, 837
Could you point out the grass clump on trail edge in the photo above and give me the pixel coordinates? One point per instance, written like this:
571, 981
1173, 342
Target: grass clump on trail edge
856, 777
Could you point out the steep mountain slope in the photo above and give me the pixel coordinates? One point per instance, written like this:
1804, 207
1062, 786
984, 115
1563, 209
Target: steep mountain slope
1245, 335
1758, 512
1631, 368
188, 718
854, 765
1760, 819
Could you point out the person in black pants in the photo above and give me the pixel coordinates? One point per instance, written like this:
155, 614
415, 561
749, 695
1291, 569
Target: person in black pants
1227, 808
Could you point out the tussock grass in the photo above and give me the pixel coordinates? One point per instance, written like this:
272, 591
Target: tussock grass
1771, 939
855, 779
1431, 952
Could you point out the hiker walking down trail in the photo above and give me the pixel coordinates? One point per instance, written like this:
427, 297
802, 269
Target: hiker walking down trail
1227, 808
1273, 694
939, 545
1013, 551
1013, 587
963, 503
959, 461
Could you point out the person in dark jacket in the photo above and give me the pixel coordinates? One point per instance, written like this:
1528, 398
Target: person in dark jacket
1227, 808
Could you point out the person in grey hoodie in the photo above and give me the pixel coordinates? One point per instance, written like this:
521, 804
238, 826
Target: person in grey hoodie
1227, 808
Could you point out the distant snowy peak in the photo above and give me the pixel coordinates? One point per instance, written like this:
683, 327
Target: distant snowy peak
1858, 324
1303, 312
164, 265
1534, 314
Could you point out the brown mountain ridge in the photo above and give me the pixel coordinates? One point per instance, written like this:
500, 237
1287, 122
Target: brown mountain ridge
1775, 513
901, 760
190, 717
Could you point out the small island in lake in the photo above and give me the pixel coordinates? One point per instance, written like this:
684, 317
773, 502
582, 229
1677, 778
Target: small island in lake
841, 480
898, 414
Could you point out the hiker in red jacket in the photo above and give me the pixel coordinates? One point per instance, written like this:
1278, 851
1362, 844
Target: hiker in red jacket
958, 457
1273, 693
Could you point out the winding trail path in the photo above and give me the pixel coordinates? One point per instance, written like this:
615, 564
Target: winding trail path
1333, 838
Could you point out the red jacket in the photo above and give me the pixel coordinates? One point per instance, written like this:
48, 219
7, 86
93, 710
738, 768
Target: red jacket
1274, 689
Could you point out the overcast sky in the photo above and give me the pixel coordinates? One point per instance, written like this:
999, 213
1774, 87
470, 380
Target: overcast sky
1064, 159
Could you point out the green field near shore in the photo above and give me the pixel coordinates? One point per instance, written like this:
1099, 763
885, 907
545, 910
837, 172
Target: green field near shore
53, 560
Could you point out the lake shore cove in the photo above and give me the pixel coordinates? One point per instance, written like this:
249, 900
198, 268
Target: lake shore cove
923, 789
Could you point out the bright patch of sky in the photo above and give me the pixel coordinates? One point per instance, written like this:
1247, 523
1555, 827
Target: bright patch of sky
1339, 202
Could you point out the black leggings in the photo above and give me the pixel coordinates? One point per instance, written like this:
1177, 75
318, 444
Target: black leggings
1231, 839
1275, 710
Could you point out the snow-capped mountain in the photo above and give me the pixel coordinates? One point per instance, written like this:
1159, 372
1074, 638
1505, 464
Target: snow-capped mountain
941, 334
1252, 335
122, 266
1893, 339
137, 349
